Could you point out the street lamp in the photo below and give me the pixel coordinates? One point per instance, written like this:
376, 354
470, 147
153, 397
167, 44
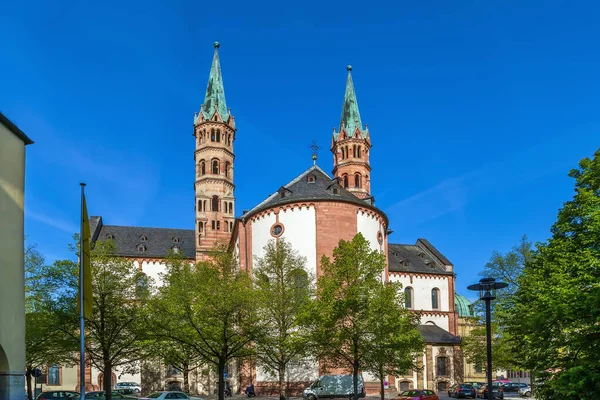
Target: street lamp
487, 292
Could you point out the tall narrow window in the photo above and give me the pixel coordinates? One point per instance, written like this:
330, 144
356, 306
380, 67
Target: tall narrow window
218, 225
435, 298
358, 152
408, 297
354, 151
231, 226
442, 366
357, 180
345, 181
202, 167
212, 135
215, 167
226, 227
347, 154
230, 207
342, 153
213, 225
215, 203
53, 376
200, 206
227, 166
218, 135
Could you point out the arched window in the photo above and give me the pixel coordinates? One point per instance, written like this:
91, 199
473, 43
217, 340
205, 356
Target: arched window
230, 207
345, 181
435, 298
212, 135
218, 225
200, 228
227, 166
226, 206
231, 226
213, 224
204, 208
215, 203
354, 151
343, 155
357, 180
405, 385
347, 152
202, 167
358, 152
408, 297
218, 135
215, 167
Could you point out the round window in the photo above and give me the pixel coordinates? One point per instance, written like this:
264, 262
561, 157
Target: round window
379, 237
277, 230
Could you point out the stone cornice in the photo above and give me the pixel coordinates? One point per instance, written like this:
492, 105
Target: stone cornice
210, 178
215, 149
420, 275
282, 208
373, 214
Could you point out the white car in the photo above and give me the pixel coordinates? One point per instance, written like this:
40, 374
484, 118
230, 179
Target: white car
136, 387
525, 391
169, 395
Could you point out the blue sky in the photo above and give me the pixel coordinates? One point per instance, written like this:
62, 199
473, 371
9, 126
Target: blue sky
477, 109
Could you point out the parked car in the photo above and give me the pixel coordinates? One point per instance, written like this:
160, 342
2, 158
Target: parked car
58, 395
417, 394
512, 387
476, 385
101, 395
497, 392
127, 392
459, 390
334, 386
525, 391
169, 395
129, 385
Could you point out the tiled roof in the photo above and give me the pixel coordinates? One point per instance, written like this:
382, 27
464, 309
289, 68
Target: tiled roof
434, 334
414, 258
158, 241
14, 129
301, 189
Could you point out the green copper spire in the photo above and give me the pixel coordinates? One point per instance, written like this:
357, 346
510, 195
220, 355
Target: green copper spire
350, 115
215, 92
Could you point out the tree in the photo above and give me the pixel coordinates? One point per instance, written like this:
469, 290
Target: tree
556, 316
395, 342
178, 355
44, 344
349, 293
114, 332
210, 307
508, 268
283, 289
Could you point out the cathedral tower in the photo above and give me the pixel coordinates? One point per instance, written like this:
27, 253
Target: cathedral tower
351, 147
214, 130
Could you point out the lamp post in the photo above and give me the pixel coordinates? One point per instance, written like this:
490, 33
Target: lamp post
487, 292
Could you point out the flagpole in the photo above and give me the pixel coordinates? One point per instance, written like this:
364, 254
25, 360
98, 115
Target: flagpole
81, 305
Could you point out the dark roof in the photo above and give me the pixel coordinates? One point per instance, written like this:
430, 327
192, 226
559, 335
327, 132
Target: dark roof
159, 241
425, 243
300, 189
434, 334
414, 258
15, 129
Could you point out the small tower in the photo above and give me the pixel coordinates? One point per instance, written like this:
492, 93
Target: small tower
351, 146
214, 130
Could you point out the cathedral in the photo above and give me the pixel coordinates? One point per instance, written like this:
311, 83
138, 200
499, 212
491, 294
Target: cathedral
312, 212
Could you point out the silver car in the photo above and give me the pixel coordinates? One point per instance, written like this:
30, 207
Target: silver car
525, 391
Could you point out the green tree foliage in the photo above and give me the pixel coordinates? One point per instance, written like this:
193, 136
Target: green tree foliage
114, 333
283, 289
395, 341
209, 307
44, 343
556, 316
350, 297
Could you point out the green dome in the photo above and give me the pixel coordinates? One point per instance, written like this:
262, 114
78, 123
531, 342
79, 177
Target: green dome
463, 306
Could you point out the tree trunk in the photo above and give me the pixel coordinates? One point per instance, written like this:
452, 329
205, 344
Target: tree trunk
28, 378
107, 380
382, 386
221, 372
281, 372
186, 380
355, 369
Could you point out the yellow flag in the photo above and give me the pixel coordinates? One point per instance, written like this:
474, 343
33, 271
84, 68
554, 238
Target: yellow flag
87, 273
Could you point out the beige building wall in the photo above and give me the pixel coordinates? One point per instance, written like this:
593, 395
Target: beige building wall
12, 235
